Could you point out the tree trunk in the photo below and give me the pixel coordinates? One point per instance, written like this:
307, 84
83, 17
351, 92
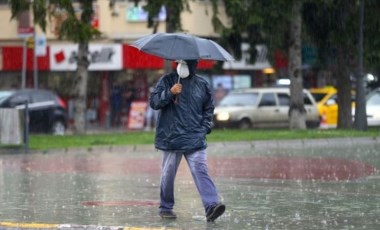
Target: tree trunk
80, 88
169, 27
360, 105
343, 85
297, 110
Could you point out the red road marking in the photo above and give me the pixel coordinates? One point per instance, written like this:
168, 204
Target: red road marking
303, 168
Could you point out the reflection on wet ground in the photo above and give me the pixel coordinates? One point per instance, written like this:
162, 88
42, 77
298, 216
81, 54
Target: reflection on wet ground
264, 188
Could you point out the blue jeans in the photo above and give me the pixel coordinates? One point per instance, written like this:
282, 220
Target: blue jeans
197, 162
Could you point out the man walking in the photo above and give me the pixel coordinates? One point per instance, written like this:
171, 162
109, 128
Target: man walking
186, 112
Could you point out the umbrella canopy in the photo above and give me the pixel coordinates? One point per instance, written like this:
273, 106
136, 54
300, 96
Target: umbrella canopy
180, 46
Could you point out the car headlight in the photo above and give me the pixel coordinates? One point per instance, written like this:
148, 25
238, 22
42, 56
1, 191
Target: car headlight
222, 116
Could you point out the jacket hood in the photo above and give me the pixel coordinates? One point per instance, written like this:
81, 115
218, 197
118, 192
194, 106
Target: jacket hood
192, 64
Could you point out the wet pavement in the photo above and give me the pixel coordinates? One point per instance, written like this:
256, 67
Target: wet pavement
298, 184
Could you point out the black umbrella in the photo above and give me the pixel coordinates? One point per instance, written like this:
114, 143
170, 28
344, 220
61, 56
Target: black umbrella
180, 46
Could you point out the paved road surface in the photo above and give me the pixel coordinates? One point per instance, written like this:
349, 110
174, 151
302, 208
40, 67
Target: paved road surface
298, 184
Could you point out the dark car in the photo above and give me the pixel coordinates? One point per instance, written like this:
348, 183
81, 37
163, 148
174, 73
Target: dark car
47, 111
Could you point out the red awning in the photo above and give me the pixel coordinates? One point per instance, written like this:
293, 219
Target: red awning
132, 59
135, 59
206, 64
12, 59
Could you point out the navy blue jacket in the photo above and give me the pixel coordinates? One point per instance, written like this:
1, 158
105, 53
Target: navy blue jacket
182, 125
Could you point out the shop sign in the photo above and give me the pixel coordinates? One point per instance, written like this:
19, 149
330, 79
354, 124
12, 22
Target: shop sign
261, 60
25, 32
24, 28
138, 14
101, 57
40, 45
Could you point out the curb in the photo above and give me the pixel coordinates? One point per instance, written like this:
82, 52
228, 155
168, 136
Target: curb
15, 225
240, 145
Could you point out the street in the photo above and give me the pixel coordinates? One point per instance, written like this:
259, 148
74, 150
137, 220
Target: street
312, 184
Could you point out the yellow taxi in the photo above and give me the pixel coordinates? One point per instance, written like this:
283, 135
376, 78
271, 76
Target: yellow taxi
327, 104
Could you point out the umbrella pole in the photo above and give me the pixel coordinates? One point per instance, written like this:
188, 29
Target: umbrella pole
179, 78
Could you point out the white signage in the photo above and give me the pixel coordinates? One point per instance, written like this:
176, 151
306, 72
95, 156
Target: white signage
101, 57
261, 61
40, 45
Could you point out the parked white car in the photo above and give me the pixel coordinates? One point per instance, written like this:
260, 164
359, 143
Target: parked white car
373, 108
261, 107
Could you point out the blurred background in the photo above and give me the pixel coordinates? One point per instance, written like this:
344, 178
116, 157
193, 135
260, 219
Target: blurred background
332, 51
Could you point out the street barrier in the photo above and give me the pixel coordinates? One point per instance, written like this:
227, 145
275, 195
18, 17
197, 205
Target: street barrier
11, 126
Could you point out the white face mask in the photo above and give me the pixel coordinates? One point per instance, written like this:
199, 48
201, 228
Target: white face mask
183, 69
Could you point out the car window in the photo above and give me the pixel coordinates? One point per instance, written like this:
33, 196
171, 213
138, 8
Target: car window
239, 99
4, 95
19, 99
374, 99
332, 100
40, 97
268, 99
306, 99
283, 99
318, 96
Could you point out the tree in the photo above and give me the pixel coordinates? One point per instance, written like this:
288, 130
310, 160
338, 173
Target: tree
276, 23
173, 17
333, 25
297, 110
173, 13
75, 28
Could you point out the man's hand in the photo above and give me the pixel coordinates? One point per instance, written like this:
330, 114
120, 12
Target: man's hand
176, 89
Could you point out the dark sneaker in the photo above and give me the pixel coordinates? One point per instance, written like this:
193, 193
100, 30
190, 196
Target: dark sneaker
215, 212
168, 215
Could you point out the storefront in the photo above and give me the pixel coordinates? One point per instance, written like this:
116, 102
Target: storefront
118, 75
105, 62
12, 66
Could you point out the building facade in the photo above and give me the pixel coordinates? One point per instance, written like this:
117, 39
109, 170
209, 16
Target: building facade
114, 64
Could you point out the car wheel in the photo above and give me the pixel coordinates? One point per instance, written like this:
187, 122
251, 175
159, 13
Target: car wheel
245, 124
312, 124
58, 128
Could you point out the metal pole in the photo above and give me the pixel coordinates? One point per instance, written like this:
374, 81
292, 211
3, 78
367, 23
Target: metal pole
24, 59
26, 127
35, 63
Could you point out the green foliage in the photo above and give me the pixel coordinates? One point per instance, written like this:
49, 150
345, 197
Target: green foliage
173, 13
333, 23
371, 33
18, 6
40, 13
76, 27
253, 22
43, 142
327, 24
